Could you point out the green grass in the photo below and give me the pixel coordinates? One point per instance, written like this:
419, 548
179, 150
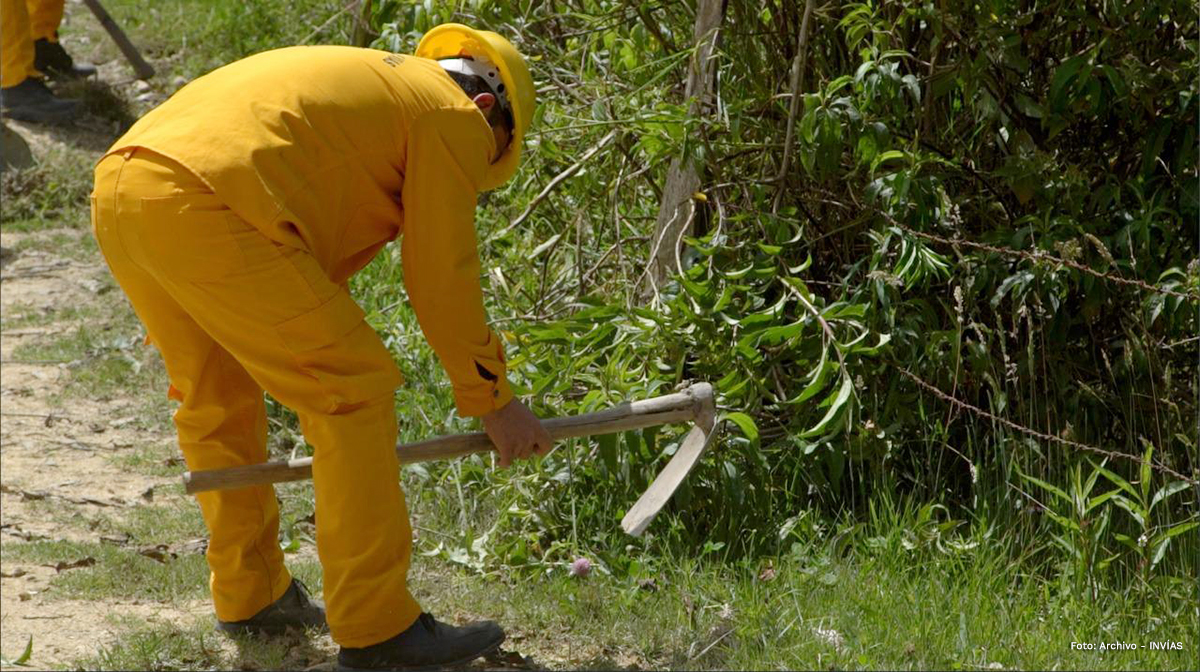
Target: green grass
150, 459
66, 244
887, 615
973, 612
147, 646
52, 193
153, 646
177, 520
120, 571
172, 519
191, 37
26, 316
30, 316
106, 356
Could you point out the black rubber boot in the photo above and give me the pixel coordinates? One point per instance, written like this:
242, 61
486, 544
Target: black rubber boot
426, 645
32, 101
294, 610
52, 60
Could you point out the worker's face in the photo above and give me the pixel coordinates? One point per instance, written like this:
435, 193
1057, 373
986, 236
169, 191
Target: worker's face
487, 104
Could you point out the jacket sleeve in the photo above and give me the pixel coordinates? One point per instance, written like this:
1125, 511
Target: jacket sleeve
447, 156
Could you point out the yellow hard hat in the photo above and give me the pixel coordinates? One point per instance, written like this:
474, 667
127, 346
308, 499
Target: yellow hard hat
452, 40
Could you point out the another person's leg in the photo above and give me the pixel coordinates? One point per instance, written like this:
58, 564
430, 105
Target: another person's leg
16, 43
221, 422
51, 59
44, 17
23, 94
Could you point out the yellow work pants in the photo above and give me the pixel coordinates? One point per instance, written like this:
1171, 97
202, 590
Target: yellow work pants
234, 313
21, 23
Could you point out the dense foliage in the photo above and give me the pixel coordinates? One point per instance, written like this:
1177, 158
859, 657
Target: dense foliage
979, 263
947, 293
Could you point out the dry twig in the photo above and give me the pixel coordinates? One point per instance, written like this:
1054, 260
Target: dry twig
1035, 433
1039, 256
557, 180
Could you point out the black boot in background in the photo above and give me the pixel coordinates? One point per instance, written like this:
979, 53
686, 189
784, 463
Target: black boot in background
51, 59
32, 101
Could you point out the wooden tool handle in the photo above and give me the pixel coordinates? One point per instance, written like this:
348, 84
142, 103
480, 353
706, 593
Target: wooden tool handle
143, 69
692, 403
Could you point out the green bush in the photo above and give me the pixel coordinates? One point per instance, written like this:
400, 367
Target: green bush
981, 257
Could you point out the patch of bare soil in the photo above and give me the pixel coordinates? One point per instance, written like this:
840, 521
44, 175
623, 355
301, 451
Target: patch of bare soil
59, 453
68, 630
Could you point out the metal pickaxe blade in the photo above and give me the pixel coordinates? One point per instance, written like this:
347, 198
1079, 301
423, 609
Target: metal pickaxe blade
694, 403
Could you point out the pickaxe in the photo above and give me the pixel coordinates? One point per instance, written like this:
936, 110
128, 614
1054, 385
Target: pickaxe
694, 404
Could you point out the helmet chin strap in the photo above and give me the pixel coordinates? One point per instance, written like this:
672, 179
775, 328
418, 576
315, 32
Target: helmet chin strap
482, 69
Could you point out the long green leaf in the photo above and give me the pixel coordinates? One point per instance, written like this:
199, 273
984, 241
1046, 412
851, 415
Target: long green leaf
1118, 481
1133, 509
26, 654
1097, 501
843, 394
1052, 489
817, 383
1179, 529
746, 424
1145, 471
1166, 491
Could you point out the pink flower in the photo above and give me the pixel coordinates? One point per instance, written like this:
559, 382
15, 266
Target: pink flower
580, 567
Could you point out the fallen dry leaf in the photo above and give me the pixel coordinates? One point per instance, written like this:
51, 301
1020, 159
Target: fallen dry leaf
25, 494
159, 552
199, 546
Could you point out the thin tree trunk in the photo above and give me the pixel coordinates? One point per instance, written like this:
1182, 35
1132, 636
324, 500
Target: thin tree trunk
676, 207
797, 81
362, 25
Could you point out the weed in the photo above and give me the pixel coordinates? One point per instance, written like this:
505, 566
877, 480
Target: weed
100, 100
150, 459
22, 659
68, 244
156, 646
192, 37
54, 192
176, 521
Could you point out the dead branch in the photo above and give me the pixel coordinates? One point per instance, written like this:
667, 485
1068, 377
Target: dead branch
1035, 433
558, 179
1042, 257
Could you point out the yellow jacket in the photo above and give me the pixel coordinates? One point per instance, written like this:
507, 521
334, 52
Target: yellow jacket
336, 151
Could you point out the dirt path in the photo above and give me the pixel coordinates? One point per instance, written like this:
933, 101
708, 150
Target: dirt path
52, 451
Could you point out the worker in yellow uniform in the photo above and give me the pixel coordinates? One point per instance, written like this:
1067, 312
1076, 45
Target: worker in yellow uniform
29, 49
233, 215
